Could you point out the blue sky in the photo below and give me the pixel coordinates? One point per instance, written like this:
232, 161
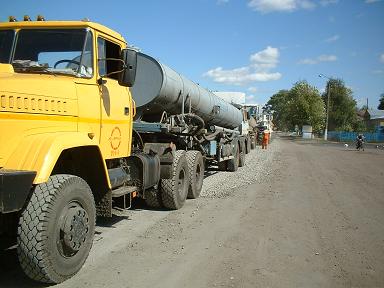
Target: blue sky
252, 46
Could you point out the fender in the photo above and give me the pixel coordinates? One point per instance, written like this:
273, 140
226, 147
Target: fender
39, 152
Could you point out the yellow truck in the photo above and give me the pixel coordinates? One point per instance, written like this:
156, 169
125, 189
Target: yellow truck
74, 142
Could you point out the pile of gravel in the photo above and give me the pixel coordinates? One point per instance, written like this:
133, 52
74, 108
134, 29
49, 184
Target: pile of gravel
257, 168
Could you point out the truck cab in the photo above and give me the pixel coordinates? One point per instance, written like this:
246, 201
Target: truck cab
59, 87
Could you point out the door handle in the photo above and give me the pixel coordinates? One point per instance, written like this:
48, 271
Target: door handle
134, 107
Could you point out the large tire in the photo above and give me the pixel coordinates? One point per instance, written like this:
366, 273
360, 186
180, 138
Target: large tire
56, 229
153, 198
242, 154
174, 190
196, 173
233, 164
248, 145
253, 143
223, 165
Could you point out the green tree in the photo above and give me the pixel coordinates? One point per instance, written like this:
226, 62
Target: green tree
277, 104
301, 105
342, 106
306, 106
381, 105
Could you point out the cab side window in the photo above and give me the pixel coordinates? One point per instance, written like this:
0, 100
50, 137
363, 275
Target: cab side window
107, 51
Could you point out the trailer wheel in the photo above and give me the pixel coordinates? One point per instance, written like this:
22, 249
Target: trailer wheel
248, 144
242, 154
233, 164
253, 143
223, 165
153, 198
196, 173
174, 190
56, 229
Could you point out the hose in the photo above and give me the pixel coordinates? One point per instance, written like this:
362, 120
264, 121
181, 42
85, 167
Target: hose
194, 120
140, 139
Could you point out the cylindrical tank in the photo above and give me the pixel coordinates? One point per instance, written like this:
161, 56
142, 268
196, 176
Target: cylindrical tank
158, 88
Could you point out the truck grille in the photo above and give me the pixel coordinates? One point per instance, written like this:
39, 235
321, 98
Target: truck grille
32, 104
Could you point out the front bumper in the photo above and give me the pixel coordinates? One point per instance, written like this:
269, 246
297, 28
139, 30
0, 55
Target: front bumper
15, 186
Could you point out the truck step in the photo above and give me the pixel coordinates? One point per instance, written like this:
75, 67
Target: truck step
123, 197
124, 190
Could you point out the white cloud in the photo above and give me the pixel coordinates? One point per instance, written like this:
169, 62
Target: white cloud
308, 61
266, 6
318, 59
371, 1
257, 71
219, 2
265, 59
327, 58
377, 71
328, 2
332, 39
240, 76
382, 58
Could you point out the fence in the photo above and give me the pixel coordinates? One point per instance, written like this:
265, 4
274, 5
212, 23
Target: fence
342, 136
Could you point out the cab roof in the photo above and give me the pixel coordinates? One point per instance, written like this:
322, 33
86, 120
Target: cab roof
61, 24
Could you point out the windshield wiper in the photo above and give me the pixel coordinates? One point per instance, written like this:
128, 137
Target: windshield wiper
30, 66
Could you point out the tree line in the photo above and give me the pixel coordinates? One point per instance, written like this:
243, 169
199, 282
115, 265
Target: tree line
303, 104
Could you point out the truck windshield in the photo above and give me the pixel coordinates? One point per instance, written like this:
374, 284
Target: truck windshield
6, 41
65, 51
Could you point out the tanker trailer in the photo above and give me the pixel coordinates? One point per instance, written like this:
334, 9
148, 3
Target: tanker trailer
237, 99
172, 110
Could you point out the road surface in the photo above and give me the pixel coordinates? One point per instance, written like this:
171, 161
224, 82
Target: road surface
313, 217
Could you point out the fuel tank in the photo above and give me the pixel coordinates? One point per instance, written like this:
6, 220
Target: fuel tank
160, 89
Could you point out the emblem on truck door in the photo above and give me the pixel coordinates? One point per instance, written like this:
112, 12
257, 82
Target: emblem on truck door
115, 138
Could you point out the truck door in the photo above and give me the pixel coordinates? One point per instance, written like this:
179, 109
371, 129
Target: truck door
87, 91
116, 104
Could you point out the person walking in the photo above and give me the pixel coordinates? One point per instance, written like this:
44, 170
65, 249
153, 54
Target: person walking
265, 142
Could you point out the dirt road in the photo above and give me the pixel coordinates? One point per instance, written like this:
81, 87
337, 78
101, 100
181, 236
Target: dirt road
314, 219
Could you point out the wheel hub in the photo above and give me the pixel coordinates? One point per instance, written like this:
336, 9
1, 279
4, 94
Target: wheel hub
76, 228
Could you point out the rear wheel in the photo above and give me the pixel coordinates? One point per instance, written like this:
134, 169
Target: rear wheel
223, 165
253, 143
248, 145
174, 190
242, 154
153, 198
196, 173
233, 164
56, 229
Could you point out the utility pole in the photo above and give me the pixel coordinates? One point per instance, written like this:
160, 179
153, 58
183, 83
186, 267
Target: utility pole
328, 96
326, 120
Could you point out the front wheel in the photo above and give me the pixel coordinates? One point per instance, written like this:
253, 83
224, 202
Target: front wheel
56, 229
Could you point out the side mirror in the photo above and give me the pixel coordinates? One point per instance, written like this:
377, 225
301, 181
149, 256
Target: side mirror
128, 67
